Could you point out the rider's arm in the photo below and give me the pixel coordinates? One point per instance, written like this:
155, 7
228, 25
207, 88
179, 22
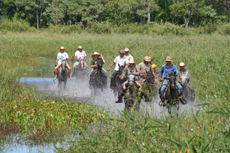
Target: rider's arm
103, 59
111, 66
175, 70
57, 60
92, 64
178, 78
156, 70
188, 76
77, 58
161, 72
85, 57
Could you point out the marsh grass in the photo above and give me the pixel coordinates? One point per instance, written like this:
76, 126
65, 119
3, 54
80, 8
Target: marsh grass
206, 56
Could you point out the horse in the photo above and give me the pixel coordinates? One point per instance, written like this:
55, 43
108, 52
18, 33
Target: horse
118, 81
131, 97
80, 69
149, 85
62, 74
98, 79
171, 94
188, 92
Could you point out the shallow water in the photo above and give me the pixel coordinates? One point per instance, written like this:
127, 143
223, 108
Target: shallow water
79, 90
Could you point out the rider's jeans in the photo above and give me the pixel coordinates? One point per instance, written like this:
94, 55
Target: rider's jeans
93, 72
74, 65
165, 83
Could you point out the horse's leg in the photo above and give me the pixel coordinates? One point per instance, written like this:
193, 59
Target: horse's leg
178, 106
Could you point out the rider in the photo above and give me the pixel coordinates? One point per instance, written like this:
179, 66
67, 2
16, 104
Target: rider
166, 69
183, 72
130, 68
79, 55
154, 67
96, 56
119, 60
127, 55
61, 56
145, 67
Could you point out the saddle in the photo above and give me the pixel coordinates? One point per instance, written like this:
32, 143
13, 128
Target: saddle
58, 69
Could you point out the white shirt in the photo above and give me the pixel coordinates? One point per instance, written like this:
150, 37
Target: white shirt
61, 56
120, 61
81, 54
129, 57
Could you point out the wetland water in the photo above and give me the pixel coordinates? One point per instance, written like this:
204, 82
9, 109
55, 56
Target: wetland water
42, 80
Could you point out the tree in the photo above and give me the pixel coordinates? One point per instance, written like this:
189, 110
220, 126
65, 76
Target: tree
186, 9
222, 4
38, 6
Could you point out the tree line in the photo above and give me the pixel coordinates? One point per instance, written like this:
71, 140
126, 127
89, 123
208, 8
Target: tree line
42, 13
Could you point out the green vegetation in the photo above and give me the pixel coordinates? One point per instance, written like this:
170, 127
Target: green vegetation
206, 56
189, 13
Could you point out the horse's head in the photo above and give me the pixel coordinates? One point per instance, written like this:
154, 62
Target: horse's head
121, 68
172, 80
63, 64
99, 64
131, 79
150, 77
81, 64
183, 79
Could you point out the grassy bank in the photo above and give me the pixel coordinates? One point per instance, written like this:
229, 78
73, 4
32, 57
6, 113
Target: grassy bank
206, 56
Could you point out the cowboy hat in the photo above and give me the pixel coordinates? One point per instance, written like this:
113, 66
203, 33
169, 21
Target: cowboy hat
131, 61
181, 64
122, 52
147, 59
79, 47
96, 53
62, 47
168, 59
126, 50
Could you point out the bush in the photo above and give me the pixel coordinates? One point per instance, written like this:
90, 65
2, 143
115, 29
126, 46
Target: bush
224, 29
15, 25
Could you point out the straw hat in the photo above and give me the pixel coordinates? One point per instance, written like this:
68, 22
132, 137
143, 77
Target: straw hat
168, 59
147, 59
62, 47
96, 53
79, 47
122, 52
126, 50
181, 64
131, 61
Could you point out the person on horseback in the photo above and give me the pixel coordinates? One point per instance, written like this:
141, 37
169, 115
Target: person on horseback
154, 67
127, 55
145, 67
96, 56
166, 69
61, 56
184, 72
130, 68
79, 55
119, 60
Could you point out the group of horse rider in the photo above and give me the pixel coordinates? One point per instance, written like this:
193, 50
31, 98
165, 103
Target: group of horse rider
127, 59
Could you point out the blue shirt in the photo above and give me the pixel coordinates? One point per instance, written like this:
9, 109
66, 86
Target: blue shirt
167, 70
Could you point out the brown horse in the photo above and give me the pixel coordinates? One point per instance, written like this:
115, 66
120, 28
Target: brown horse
80, 69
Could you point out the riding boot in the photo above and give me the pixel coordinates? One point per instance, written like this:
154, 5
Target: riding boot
182, 100
146, 97
162, 102
119, 98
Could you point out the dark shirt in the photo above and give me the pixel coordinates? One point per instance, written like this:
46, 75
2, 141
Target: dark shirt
94, 62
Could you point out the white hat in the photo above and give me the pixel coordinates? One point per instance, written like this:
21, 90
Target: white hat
181, 64
62, 47
126, 50
96, 53
131, 61
79, 47
147, 59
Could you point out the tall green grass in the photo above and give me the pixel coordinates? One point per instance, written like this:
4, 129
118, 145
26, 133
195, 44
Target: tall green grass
206, 56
